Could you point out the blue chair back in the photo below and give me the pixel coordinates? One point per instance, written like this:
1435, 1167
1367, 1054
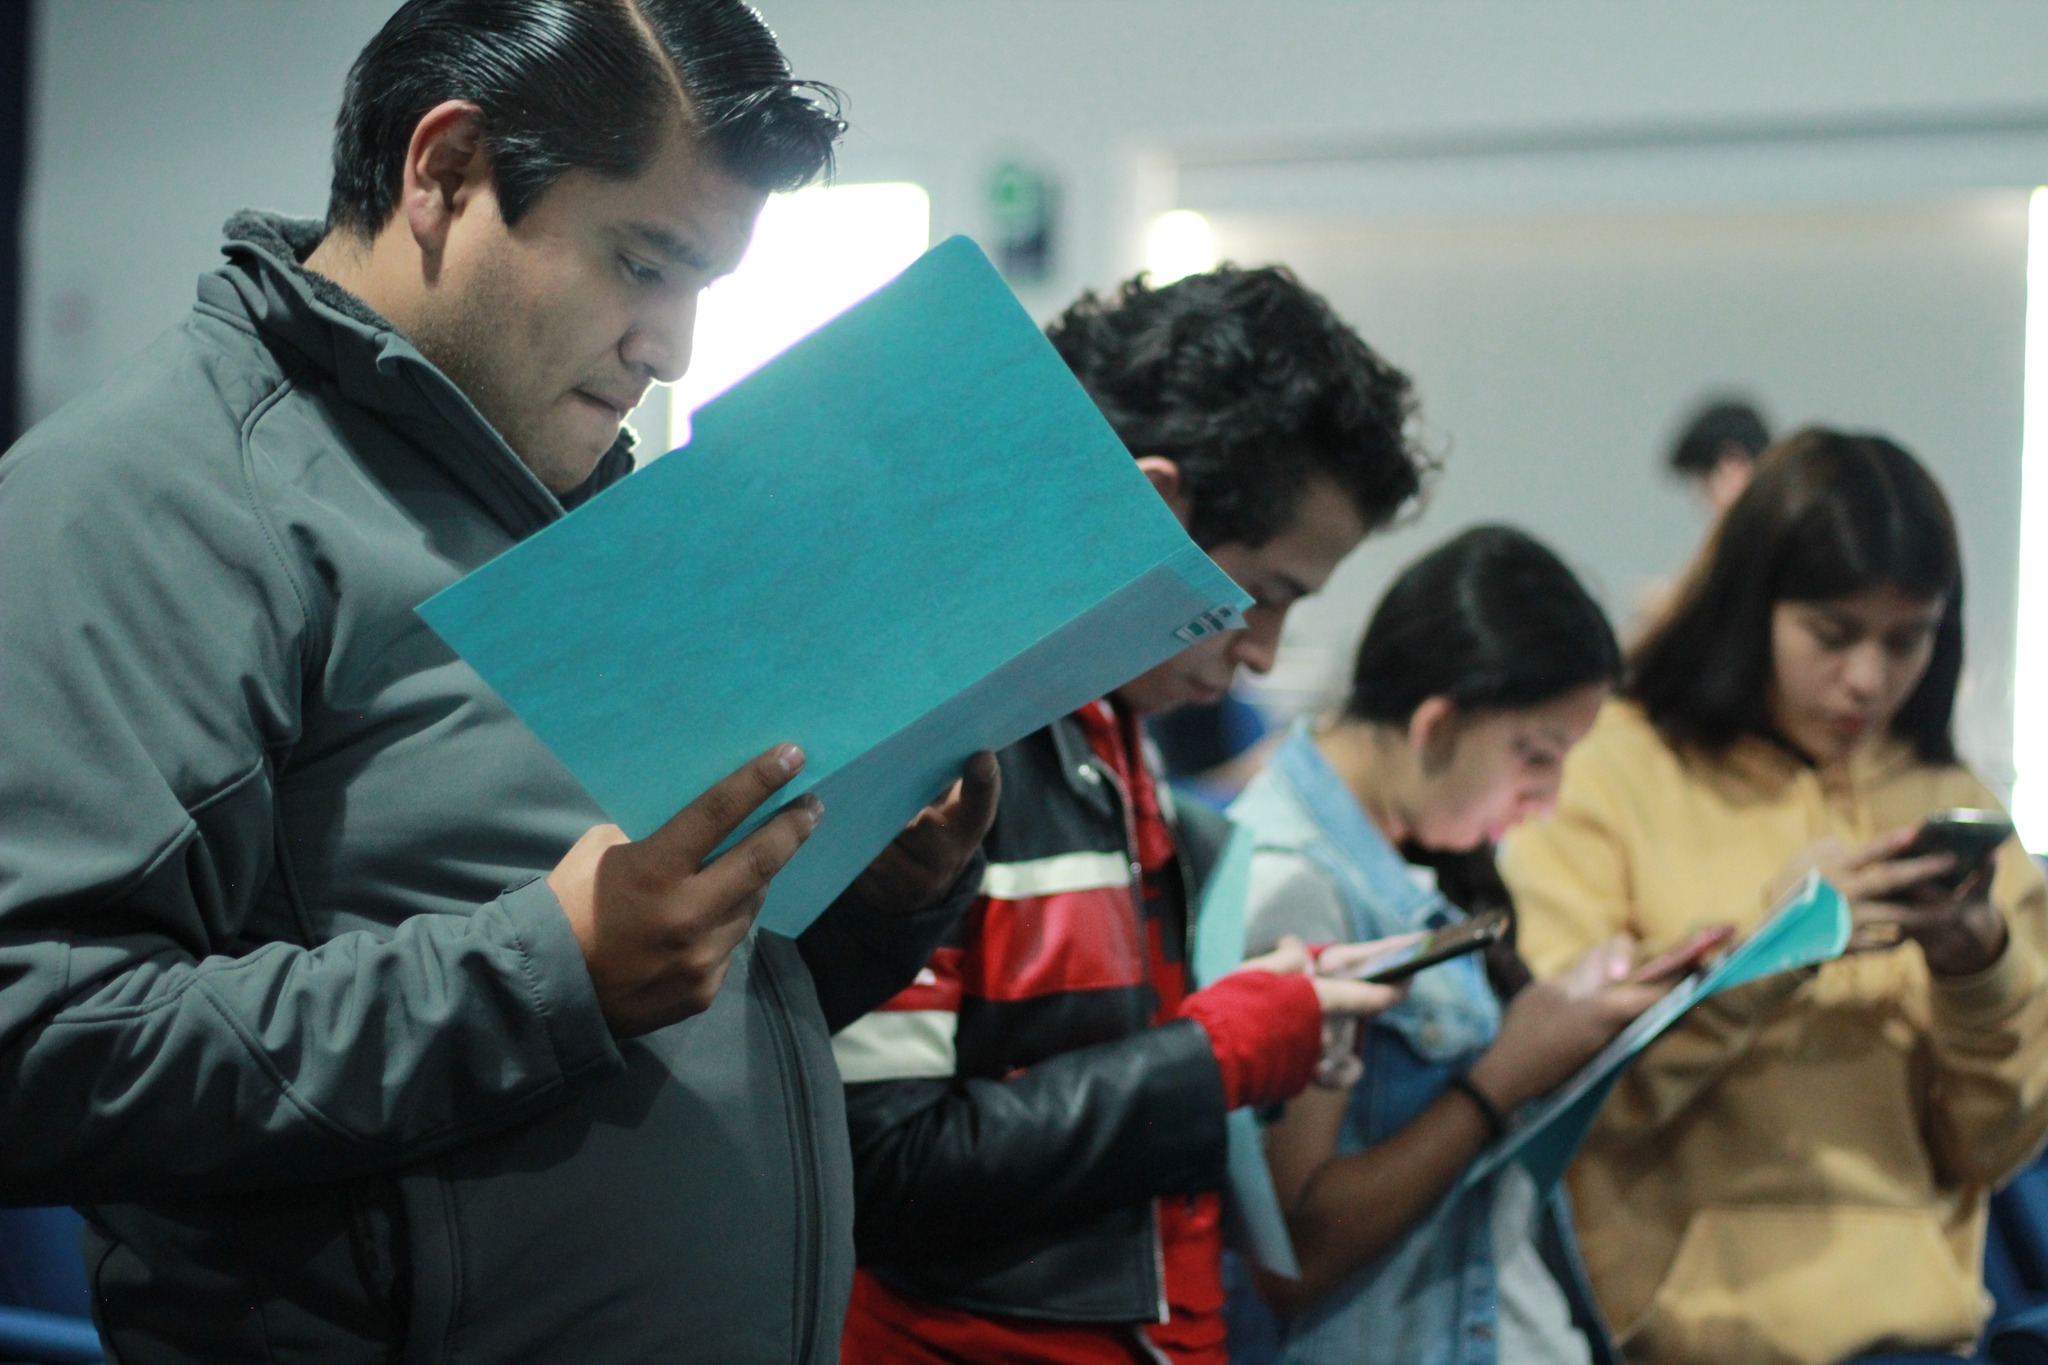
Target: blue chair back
2019, 1223
40, 1265
2016, 1270
2002, 1277
45, 1303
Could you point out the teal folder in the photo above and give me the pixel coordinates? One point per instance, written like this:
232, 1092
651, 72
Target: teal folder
1252, 1205
909, 537
1810, 925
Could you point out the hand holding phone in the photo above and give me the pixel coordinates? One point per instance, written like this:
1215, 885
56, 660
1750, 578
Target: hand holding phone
1557, 1023
1688, 956
1970, 837
1945, 908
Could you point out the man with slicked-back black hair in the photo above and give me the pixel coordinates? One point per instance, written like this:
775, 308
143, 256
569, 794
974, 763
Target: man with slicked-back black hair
324, 990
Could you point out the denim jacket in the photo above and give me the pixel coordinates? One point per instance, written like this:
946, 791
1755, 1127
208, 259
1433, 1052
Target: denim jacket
1432, 1299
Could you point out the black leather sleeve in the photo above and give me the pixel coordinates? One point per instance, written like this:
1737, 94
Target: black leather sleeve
859, 956
943, 1167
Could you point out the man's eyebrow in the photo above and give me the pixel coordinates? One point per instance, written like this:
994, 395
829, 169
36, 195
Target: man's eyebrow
668, 246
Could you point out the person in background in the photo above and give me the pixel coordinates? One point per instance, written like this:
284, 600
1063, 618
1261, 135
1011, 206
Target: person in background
1210, 752
1799, 1171
1717, 451
1484, 663
356, 1028
1038, 1124
1715, 455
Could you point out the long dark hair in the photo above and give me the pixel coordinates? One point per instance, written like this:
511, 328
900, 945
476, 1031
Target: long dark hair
1490, 619
1828, 514
1494, 621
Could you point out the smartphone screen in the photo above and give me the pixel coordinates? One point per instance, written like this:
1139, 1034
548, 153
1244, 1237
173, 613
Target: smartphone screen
1440, 945
1970, 836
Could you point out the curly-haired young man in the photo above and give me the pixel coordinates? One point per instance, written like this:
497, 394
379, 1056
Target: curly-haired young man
1038, 1122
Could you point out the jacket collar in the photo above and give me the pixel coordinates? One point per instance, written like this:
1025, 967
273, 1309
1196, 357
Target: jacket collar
1299, 803
373, 366
1080, 768
1323, 794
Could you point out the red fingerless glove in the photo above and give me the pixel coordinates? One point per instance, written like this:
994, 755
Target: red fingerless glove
1266, 1030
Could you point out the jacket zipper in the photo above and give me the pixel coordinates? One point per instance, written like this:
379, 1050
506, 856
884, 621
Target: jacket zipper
1137, 880
809, 1198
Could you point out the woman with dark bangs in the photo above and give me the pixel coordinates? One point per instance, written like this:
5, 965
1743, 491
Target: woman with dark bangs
1483, 664
1799, 1171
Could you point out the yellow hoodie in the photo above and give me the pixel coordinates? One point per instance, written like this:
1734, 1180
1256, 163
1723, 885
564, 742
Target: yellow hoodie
1798, 1171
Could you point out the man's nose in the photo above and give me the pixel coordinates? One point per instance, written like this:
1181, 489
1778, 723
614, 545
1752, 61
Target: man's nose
659, 343
1257, 646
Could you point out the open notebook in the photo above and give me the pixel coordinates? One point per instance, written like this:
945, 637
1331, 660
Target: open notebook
909, 537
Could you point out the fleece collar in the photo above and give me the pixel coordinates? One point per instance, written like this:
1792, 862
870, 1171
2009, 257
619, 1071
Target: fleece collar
310, 320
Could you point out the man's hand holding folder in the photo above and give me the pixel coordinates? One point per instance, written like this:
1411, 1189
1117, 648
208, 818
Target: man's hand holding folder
658, 923
922, 862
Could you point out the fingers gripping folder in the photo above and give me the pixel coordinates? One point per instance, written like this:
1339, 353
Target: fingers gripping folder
909, 537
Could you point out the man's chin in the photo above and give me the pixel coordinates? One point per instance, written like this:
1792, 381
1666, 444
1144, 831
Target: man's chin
565, 467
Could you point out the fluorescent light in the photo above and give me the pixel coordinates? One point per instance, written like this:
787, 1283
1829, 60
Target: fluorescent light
1180, 243
2030, 671
815, 254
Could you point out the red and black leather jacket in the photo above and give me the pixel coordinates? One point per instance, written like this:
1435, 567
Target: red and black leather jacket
1016, 1113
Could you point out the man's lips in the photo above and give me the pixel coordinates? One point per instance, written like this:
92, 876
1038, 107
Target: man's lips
618, 407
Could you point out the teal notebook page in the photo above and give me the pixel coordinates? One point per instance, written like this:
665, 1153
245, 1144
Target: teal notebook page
909, 537
1809, 926
1253, 1205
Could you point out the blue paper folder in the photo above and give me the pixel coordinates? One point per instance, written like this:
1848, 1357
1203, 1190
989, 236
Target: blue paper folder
1810, 925
909, 537
1256, 1222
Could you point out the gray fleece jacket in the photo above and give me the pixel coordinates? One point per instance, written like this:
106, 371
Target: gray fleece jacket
284, 1006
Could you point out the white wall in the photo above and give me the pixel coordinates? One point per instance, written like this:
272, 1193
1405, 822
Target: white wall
1554, 356
154, 120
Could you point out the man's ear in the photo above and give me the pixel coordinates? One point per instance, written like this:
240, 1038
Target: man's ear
1433, 732
1166, 481
446, 165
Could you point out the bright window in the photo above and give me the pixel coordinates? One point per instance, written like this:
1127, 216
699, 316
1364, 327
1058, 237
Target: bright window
815, 253
1179, 244
2030, 673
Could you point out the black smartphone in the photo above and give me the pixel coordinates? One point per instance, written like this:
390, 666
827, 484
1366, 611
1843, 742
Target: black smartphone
1439, 945
1970, 836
